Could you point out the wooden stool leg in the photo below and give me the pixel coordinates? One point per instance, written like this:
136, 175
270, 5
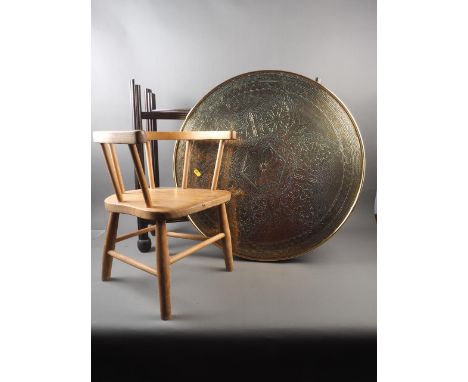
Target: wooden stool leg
109, 244
164, 270
227, 245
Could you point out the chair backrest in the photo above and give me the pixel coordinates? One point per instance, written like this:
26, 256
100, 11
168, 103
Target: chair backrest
108, 140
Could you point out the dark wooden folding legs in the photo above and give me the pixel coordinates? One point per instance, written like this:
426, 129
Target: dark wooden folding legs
163, 265
109, 244
227, 245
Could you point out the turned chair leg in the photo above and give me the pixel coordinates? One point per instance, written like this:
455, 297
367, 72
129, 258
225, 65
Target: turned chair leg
164, 270
227, 245
109, 244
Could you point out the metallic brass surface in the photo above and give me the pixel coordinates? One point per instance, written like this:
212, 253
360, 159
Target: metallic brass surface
295, 171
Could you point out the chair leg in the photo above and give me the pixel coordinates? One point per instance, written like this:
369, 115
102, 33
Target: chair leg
227, 245
109, 244
164, 270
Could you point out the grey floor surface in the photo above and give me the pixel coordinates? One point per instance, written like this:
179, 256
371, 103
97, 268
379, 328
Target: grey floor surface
330, 289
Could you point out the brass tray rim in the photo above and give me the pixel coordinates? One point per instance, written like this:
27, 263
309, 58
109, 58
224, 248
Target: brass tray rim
356, 128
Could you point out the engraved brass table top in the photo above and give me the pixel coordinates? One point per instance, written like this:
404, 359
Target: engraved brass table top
295, 171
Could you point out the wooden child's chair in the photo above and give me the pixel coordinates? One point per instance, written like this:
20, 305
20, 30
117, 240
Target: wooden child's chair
158, 204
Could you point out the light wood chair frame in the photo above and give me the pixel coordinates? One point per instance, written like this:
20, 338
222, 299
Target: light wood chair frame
108, 140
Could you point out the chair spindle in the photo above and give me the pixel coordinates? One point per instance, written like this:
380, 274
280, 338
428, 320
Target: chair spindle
219, 158
188, 148
110, 167
140, 174
118, 171
149, 162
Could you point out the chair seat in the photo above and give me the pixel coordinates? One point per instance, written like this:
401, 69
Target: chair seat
169, 203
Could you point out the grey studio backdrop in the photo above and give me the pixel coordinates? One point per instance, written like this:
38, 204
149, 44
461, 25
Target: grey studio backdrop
183, 48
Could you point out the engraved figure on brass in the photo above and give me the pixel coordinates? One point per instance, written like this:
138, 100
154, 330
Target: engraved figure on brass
295, 171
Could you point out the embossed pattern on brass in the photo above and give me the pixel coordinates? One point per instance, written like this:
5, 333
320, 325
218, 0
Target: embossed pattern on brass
295, 171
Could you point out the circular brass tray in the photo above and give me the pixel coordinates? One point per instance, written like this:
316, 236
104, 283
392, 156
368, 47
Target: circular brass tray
295, 171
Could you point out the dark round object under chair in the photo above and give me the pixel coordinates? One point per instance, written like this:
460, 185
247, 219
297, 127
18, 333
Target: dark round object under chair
144, 245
